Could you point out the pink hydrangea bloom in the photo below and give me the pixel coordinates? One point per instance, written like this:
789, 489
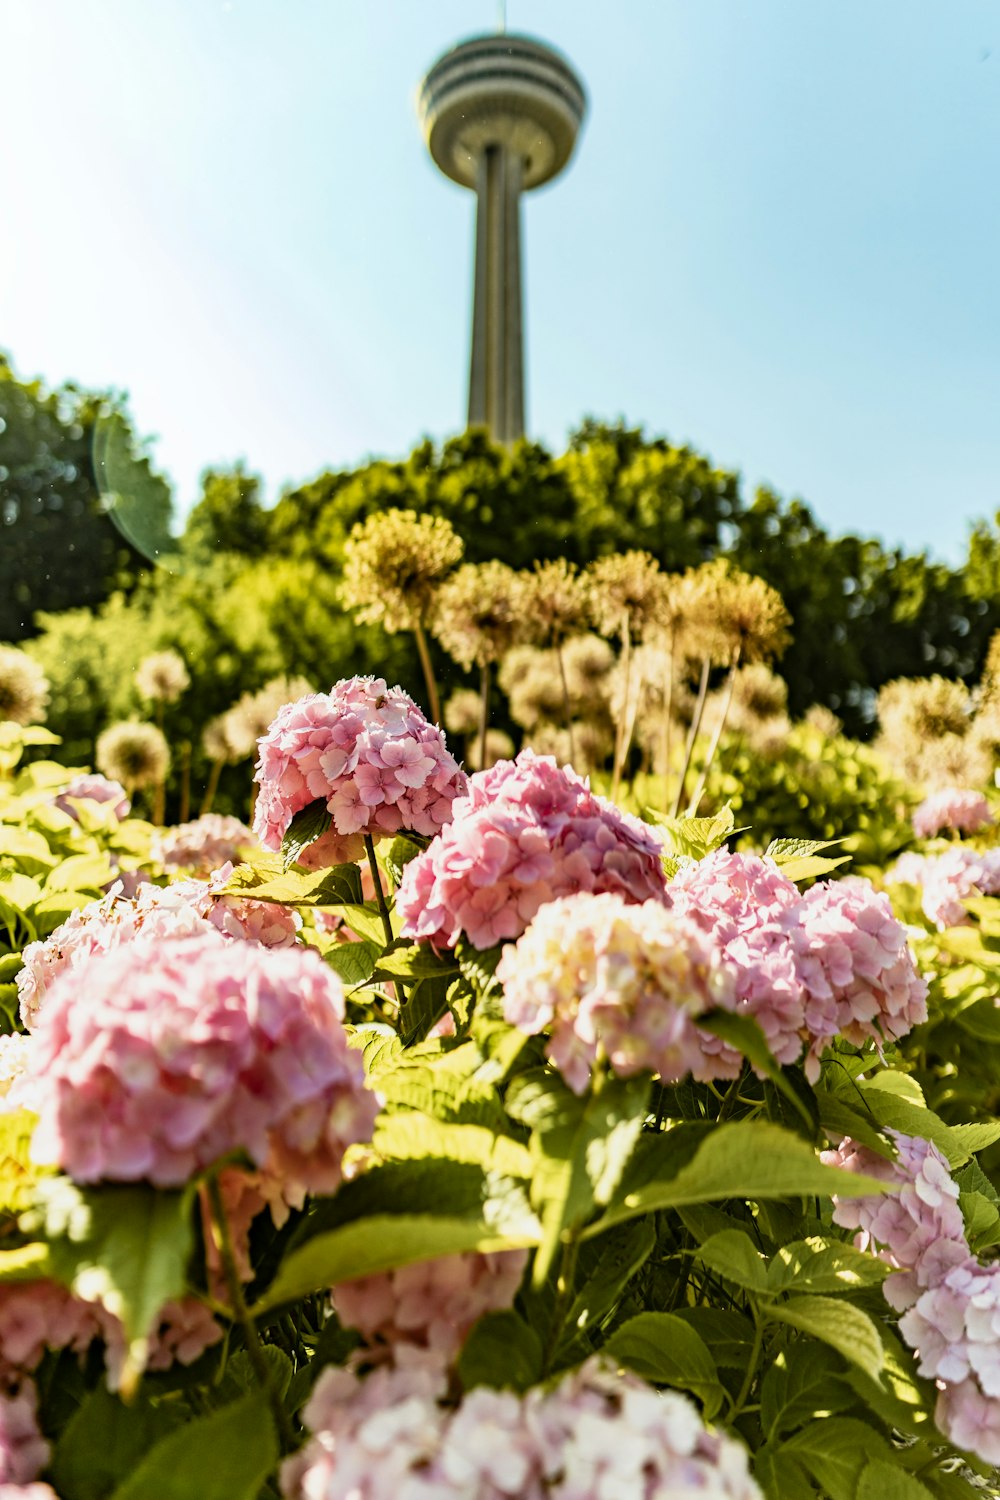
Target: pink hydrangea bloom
369, 753
185, 1052
155, 914
955, 808
808, 967
947, 880
14, 1050
93, 788
599, 1433
607, 976
525, 833
27, 1492
23, 1450
202, 846
428, 1307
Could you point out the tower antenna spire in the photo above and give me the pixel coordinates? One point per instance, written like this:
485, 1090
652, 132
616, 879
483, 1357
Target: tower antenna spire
501, 16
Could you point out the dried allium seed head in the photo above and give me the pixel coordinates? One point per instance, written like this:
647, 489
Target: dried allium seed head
479, 613
926, 706
627, 589
499, 746
530, 678
462, 712
162, 677
986, 729
587, 660
251, 716
24, 687
989, 683
555, 600
135, 754
215, 739
592, 744
393, 564
742, 617
824, 720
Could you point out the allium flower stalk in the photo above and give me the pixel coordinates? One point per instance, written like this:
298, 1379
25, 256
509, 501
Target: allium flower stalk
24, 687
609, 978
156, 914
955, 809
556, 605
628, 594
366, 751
426, 1310
394, 563
598, 1434
525, 833
187, 1052
479, 615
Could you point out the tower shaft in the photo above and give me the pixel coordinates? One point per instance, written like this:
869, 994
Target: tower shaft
496, 374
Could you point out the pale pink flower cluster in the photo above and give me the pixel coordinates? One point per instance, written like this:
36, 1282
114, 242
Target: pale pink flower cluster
955, 808
951, 1301
154, 914
36, 1316
367, 751
27, 1492
598, 1434
809, 967
202, 846
525, 833
177, 1055
426, 1309
608, 977
23, 1450
93, 788
946, 881
14, 1050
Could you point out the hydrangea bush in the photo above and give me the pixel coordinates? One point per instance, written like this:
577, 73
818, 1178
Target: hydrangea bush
603, 1160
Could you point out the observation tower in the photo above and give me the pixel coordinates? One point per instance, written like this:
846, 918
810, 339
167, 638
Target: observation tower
500, 114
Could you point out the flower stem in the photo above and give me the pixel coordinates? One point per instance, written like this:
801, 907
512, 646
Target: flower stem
241, 1314
620, 749
699, 709
716, 737
484, 711
566, 707
383, 909
211, 788
433, 700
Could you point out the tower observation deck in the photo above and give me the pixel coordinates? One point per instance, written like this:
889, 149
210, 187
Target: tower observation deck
500, 114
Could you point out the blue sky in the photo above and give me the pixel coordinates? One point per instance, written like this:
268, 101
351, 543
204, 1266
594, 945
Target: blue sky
779, 239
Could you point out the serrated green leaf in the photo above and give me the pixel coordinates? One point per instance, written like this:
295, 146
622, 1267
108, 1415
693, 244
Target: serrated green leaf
354, 962
841, 1325
225, 1456
304, 829
104, 1440
779, 1476
733, 1255
22, 891
408, 1136
413, 961
501, 1351
891, 1110
882, 1480
743, 1033
803, 1383
605, 1268
265, 880
383, 1242
126, 1246
746, 1159
823, 1265
728, 1334
81, 872
835, 1451
666, 1351
696, 837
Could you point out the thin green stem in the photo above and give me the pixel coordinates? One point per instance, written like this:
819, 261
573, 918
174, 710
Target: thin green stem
484, 711
754, 1361
566, 708
564, 1294
727, 699
699, 709
616, 772
241, 1314
212, 787
383, 909
434, 702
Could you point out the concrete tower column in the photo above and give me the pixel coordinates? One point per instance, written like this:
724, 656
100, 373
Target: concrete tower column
500, 116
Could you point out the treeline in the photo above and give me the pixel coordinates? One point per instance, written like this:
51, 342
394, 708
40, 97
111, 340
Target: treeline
247, 593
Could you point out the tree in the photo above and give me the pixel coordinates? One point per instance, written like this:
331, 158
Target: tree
228, 517
81, 510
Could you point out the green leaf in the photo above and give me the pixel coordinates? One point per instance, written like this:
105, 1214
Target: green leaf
266, 880
383, 1242
304, 829
844, 1327
414, 961
882, 1480
580, 1153
733, 1255
81, 872
800, 859
18, 1174
839, 1118
605, 1268
502, 1351
779, 1476
125, 1246
803, 1383
666, 1351
696, 837
354, 962
835, 1451
225, 1456
900, 1397
425, 1006
899, 1113
743, 1033
728, 1334
823, 1265
11, 965
104, 1440
748, 1159
478, 966
363, 918
407, 1135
